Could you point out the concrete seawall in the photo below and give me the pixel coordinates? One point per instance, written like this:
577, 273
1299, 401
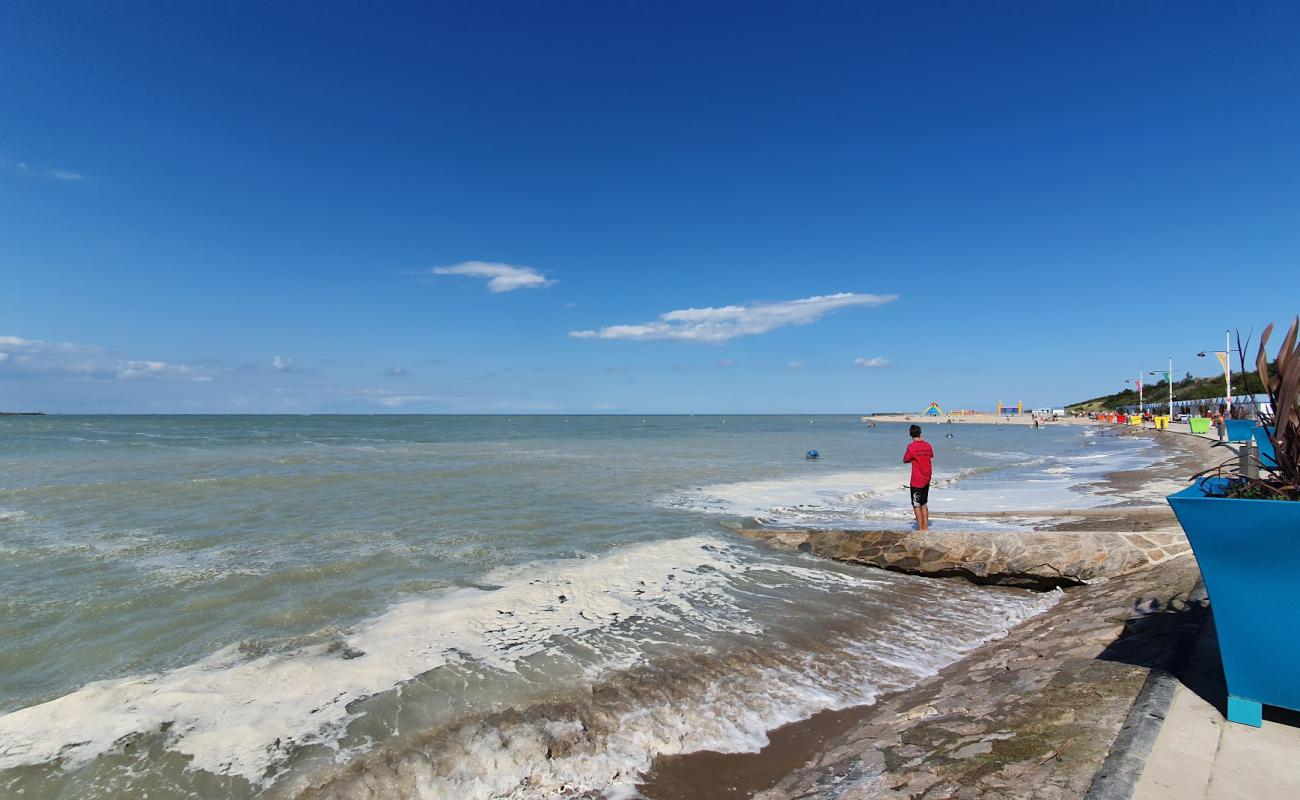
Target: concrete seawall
1026, 559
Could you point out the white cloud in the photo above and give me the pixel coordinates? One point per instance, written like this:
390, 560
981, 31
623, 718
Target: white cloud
282, 363
795, 365
726, 362
869, 363
65, 175
501, 277
4, 357
717, 325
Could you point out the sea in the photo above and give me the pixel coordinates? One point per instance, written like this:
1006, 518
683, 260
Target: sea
468, 606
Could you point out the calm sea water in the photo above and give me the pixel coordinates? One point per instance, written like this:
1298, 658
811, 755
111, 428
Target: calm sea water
463, 606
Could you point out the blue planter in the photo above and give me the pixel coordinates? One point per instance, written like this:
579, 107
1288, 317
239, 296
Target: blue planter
1267, 455
1239, 430
1249, 555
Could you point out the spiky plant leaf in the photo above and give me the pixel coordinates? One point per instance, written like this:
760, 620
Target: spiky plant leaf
1283, 389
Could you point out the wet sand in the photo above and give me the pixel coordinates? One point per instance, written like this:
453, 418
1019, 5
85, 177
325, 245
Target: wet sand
729, 776
1187, 455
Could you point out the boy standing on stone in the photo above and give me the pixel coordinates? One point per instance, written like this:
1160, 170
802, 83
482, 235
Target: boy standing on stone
919, 454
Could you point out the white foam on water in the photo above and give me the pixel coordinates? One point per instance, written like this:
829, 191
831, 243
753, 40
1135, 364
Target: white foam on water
241, 716
608, 749
1007, 455
801, 497
607, 745
878, 498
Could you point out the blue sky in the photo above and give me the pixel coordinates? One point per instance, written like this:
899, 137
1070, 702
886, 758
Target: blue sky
643, 207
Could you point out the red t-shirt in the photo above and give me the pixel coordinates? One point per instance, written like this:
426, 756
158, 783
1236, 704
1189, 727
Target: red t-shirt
919, 453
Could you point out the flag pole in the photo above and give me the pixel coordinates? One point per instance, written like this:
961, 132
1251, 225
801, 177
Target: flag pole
1227, 371
1171, 386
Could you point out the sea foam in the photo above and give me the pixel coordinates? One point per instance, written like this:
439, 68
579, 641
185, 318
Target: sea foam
240, 716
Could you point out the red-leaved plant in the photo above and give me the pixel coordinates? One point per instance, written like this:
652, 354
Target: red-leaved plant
1282, 418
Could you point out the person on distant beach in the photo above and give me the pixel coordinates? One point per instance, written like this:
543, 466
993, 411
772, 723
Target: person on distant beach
919, 454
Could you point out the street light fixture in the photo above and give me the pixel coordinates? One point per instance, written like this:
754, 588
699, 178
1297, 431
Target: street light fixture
1227, 368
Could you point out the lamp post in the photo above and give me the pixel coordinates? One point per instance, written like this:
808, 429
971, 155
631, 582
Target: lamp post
1227, 370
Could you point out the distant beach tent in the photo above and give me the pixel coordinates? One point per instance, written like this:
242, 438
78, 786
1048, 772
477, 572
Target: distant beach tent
1019, 409
934, 410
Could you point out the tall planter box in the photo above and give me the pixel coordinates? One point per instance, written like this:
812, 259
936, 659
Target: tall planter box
1267, 454
1239, 430
1249, 555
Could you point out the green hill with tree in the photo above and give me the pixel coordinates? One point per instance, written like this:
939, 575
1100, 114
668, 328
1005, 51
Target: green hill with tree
1189, 388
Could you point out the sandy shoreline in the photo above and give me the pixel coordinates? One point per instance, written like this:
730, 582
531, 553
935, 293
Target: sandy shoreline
975, 419
800, 752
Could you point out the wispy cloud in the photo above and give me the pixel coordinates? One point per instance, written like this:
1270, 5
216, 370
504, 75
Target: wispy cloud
717, 325
29, 346
23, 167
395, 399
501, 277
396, 372
90, 361
282, 364
795, 365
724, 363
399, 400
131, 370
871, 363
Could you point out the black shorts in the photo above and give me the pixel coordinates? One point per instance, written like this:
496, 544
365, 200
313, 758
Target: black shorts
920, 495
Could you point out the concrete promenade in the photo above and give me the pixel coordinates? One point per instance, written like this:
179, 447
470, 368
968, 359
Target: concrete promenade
1198, 755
